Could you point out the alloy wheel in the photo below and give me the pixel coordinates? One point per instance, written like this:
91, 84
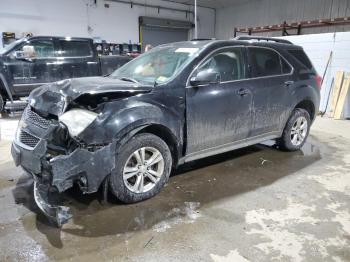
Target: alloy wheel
299, 131
143, 169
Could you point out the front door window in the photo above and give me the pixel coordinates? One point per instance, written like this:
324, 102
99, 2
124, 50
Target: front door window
228, 64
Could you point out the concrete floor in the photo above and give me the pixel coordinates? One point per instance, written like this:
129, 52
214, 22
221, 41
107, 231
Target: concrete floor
253, 204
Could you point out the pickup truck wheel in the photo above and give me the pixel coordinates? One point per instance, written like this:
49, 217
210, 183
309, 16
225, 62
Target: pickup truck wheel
143, 166
2, 104
296, 131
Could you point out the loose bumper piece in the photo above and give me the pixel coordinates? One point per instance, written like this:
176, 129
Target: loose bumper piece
56, 213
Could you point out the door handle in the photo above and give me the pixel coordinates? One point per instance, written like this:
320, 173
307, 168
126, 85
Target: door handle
54, 63
243, 92
288, 83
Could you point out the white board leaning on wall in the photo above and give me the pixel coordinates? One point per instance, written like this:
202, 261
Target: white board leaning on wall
318, 47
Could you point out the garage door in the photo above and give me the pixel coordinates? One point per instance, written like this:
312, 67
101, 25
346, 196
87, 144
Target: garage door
156, 31
157, 36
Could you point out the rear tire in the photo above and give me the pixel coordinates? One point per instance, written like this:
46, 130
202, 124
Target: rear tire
143, 167
296, 131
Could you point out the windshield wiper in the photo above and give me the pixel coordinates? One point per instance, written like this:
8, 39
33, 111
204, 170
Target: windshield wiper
129, 80
155, 83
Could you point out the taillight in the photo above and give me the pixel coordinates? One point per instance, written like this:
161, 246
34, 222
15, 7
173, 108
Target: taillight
318, 81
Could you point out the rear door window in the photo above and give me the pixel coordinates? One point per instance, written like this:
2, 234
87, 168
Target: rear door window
75, 48
265, 62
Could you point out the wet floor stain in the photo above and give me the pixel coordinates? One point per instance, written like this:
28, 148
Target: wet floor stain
192, 187
128, 230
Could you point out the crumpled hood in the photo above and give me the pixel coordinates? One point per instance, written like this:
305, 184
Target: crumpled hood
54, 98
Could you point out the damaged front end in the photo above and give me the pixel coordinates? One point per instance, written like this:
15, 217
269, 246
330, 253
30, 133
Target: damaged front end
48, 147
44, 148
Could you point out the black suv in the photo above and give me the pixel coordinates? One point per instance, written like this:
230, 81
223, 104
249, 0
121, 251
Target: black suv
177, 103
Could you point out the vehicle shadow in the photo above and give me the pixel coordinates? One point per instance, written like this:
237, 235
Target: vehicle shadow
201, 182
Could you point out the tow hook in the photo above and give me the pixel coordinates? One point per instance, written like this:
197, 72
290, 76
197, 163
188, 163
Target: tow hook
56, 213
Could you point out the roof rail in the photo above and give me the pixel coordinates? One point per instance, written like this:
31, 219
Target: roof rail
202, 39
261, 38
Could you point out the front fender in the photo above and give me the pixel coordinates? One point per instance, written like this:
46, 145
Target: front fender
119, 118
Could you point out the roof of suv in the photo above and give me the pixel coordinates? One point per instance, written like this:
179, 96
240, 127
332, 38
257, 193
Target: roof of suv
262, 42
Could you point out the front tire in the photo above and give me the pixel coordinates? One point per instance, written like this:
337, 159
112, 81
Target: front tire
296, 131
143, 167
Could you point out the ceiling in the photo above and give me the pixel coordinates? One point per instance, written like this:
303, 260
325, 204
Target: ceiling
209, 3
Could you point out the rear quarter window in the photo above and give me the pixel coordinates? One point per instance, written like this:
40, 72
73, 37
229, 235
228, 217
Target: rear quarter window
301, 57
286, 68
267, 62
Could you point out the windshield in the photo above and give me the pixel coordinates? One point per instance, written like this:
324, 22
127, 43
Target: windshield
10, 46
156, 66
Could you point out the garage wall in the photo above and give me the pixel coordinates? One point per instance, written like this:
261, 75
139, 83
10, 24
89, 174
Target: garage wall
119, 23
318, 47
317, 42
269, 12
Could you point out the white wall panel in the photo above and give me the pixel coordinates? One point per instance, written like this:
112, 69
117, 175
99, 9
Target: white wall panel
318, 48
119, 23
268, 12
317, 42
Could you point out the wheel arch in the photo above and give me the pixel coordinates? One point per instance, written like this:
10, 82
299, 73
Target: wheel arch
309, 106
165, 134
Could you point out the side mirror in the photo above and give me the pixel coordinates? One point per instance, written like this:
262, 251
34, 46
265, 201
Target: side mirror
27, 53
18, 55
205, 77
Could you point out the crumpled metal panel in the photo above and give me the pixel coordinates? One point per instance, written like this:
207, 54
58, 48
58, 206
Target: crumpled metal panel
94, 166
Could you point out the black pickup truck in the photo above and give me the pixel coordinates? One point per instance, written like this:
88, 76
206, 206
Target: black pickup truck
31, 62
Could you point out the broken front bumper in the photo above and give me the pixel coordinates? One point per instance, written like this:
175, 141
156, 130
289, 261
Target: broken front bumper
31, 163
59, 214
87, 166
